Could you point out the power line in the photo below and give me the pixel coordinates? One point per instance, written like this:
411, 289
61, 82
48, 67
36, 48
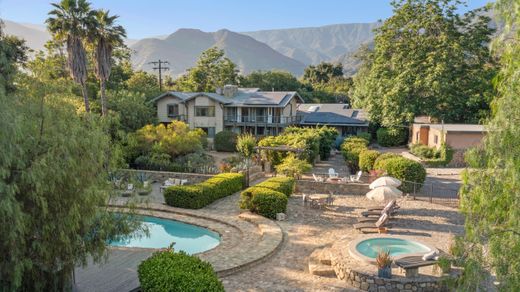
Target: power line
158, 65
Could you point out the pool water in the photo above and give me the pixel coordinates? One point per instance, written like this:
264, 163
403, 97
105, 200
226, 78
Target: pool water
162, 232
396, 247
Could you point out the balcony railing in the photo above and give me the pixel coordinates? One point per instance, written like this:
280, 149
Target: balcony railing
178, 117
262, 119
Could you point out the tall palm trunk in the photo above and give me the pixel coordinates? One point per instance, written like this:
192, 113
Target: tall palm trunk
102, 86
77, 64
84, 92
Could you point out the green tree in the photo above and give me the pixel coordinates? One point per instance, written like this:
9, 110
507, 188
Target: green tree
12, 51
246, 147
427, 60
68, 22
212, 70
490, 197
144, 83
322, 73
133, 109
53, 174
104, 35
271, 80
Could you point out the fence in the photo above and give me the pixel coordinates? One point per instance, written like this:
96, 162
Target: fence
441, 193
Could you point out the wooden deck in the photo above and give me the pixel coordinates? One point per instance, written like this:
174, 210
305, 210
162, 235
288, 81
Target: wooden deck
119, 273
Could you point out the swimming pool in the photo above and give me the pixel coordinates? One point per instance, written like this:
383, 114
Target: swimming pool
162, 232
367, 248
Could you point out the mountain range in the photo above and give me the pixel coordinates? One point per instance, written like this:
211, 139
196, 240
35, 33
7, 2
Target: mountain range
277, 49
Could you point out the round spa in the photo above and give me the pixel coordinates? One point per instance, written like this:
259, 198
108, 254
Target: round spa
162, 232
366, 249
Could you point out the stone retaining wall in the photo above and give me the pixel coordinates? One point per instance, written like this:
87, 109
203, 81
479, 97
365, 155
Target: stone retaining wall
161, 176
367, 282
193, 178
312, 187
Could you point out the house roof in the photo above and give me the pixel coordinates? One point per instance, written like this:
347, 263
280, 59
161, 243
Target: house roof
337, 114
244, 97
458, 127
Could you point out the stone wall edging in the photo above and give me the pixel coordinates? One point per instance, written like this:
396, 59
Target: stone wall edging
310, 186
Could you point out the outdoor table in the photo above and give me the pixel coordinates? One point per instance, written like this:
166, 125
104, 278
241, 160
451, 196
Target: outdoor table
318, 200
334, 180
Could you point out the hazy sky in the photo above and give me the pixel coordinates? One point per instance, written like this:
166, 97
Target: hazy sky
143, 18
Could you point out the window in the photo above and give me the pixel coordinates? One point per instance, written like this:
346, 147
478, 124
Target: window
173, 110
204, 111
210, 131
435, 139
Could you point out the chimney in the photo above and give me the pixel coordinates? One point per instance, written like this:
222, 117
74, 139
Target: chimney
230, 90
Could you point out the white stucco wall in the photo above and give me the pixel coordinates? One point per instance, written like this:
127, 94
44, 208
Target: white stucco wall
162, 108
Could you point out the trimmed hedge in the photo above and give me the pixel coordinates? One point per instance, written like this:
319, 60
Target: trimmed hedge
391, 137
351, 148
226, 141
268, 202
380, 162
410, 172
367, 158
202, 194
169, 271
431, 156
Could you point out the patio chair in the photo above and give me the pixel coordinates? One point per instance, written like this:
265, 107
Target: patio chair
330, 199
357, 177
381, 226
167, 183
184, 181
177, 182
317, 178
333, 173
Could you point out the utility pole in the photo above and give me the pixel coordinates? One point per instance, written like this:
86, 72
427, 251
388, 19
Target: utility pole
158, 65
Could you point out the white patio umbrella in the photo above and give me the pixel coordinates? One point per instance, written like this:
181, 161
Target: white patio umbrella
385, 181
384, 193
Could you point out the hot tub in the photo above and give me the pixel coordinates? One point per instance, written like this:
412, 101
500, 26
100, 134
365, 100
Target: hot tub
367, 248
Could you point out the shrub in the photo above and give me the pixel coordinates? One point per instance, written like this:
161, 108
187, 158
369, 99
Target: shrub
423, 151
169, 271
391, 136
200, 195
268, 203
408, 171
443, 156
351, 148
365, 136
380, 162
367, 158
293, 167
284, 185
226, 141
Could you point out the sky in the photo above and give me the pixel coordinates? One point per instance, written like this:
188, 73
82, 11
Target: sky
145, 18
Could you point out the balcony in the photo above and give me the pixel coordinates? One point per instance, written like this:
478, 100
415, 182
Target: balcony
182, 118
261, 120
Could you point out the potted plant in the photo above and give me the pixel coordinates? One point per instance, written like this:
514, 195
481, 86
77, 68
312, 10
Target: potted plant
384, 264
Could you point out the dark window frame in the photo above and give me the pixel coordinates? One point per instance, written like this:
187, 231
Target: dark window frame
209, 111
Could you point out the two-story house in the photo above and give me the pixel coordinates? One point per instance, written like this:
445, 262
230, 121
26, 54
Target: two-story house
231, 108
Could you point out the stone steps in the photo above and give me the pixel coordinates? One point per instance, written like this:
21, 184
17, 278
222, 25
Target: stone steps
320, 263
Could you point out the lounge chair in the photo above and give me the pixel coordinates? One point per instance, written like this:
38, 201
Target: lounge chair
333, 173
381, 226
184, 181
167, 183
317, 178
357, 177
374, 219
389, 209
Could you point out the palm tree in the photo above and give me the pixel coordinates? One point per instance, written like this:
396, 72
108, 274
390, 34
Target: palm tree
105, 36
68, 22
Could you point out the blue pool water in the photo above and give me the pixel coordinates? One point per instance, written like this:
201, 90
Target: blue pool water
396, 246
162, 232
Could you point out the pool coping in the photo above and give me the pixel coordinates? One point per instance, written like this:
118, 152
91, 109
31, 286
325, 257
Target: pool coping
360, 257
231, 255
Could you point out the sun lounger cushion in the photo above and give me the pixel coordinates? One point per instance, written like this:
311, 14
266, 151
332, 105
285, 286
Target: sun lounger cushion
382, 220
429, 256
